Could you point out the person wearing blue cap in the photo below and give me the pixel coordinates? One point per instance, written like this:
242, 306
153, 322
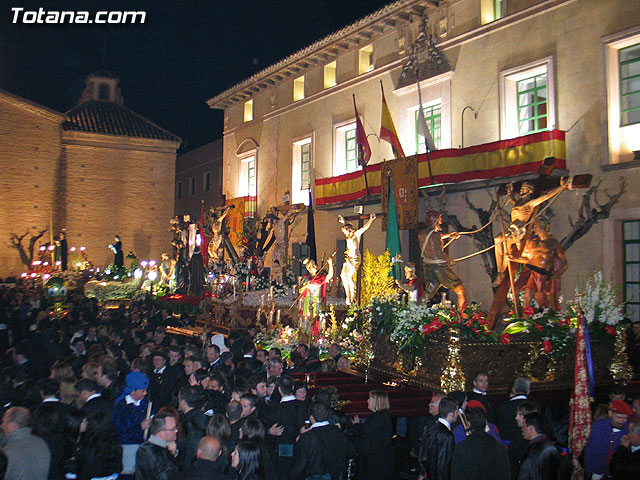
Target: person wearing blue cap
130, 418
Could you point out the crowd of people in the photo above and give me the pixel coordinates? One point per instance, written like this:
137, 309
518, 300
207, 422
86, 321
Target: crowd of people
103, 393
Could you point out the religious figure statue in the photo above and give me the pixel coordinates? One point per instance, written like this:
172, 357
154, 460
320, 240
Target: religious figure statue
216, 225
118, 255
414, 287
165, 268
62, 250
276, 272
436, 263
352, 257
524, 206
280, 230
545, 262
314, 293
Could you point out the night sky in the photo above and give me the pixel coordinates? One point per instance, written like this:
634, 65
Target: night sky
184, 54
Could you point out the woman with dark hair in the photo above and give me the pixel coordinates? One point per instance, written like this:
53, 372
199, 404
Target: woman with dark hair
252, 430
374, 439
220, 428
100, 452
245, 460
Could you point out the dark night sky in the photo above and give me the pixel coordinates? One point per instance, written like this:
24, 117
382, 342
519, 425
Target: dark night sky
185, 53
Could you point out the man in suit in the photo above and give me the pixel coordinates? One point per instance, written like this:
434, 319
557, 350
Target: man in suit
193, 423
204, 468
287, 417
479, 393
164, 381
479, 456
507, 411
437, 443
625, 463
91, 400
322, 449
212, 354
542, 461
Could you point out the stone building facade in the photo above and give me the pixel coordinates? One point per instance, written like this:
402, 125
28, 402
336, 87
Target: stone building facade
563, 69
96, 171
199, 179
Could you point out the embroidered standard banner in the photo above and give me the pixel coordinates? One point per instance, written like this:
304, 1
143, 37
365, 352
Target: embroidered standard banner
404, 173
235, 220
490, 160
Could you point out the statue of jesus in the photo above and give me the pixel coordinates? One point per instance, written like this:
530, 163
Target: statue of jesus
352, 256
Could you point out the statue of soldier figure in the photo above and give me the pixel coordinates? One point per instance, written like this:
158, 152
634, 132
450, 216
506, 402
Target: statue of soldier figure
436, 263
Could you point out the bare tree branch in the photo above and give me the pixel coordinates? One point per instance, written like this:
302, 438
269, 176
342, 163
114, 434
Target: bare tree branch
588, 216
26, 254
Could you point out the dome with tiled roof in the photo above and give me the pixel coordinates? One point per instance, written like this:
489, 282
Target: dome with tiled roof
101, 111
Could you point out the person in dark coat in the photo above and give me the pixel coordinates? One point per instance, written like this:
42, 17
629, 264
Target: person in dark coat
204, 467
100, 452
507, 425
436, 447
253, 431
193, 424
155, 459
163, 381
625, 463
91, 398
373, 439
287, 418
479, 456
518, 447
479, 393
542, 461
323, 448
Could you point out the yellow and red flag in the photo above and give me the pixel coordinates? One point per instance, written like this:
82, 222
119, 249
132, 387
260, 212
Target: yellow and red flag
388, 129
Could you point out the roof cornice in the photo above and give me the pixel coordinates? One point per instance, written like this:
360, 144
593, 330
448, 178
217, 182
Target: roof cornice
32, 107
364, 30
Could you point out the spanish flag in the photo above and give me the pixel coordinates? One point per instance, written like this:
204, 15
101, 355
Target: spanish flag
388, 129
364, 149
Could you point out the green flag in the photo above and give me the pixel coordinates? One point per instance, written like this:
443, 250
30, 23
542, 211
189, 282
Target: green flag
393, 234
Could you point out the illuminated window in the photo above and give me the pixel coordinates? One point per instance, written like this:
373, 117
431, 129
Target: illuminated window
365, 59
491, 10
433, 116
330, 75
298, 88
532, 104
346, 149
351, 150
631, 267
622, 79
192, 186
179, 190
206, 182
247, 177
301, 170
527, 99
248, 110
629, 60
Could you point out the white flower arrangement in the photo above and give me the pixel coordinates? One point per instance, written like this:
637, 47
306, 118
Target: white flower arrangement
598, 300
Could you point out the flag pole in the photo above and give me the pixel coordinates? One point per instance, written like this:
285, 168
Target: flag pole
425, 140
360, 152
